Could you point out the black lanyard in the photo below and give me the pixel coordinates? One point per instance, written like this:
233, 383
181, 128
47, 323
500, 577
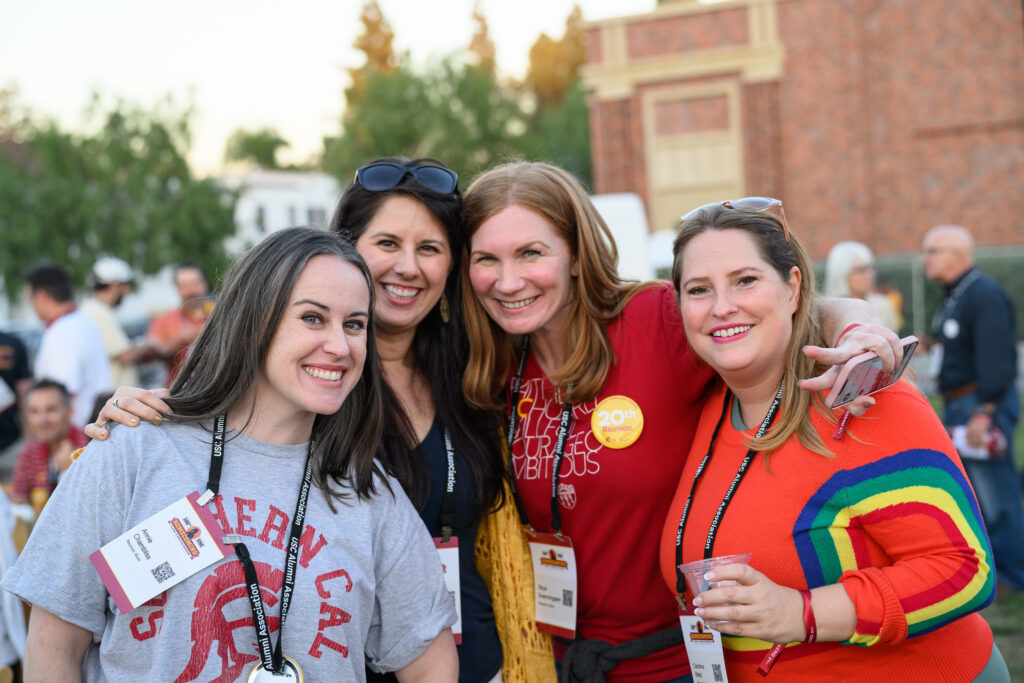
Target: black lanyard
270, 657
949, 305
448, 500
563, 436
709, 544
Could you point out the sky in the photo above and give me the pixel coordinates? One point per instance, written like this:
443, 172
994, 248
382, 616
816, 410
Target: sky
246, 64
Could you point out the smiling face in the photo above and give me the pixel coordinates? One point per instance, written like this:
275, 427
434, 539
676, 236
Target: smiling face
410, 258
737, 310
522, 271
316, 355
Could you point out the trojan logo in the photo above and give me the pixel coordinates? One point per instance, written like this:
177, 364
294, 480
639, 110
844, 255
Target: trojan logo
567, 495
186, 536
700, 634
213, 634
553, 559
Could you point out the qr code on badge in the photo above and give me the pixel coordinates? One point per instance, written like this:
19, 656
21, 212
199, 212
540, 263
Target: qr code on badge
162, 572
567, 597
716, 671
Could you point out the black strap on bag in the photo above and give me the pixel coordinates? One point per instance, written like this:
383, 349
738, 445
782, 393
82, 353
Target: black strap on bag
587, 661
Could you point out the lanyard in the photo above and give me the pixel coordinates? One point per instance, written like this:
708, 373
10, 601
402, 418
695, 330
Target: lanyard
270, 657
448, 500
949, 305
709, 544
563, 436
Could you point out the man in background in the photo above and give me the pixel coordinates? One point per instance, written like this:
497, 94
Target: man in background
977, 370
112, 280
52, 439
174, 331
71, 351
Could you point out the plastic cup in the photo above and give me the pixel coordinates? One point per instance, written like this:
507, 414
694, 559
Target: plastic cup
695, 571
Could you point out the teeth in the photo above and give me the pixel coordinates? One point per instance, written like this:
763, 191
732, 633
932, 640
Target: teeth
730, 331
401, 292
329, 375
517, 304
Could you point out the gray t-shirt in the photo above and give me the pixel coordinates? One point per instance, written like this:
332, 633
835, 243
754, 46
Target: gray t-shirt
368, 588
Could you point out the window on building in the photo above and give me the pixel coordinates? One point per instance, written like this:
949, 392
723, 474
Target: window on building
317, 216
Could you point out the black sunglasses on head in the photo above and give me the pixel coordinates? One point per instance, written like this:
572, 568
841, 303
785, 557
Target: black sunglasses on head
385, 175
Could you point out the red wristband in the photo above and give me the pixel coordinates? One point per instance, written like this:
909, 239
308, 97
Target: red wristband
843, 333
809, 623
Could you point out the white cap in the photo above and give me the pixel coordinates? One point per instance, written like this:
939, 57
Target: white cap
109, 270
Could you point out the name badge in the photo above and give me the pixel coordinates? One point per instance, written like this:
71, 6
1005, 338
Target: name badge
160, 552
554, 584
449, 554
704, 649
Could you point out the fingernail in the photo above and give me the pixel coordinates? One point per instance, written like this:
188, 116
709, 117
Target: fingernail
133, 421
710, 576
157, 420
699, 611
697, 601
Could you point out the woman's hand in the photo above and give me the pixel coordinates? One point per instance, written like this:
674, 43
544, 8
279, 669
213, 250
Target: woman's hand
883, 341
127, 406
754, 606
764, 610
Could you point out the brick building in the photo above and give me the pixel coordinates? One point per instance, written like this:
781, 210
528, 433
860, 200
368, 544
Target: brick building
871, 119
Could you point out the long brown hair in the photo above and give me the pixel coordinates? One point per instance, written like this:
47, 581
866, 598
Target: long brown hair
782, 253
226, 358
557, 196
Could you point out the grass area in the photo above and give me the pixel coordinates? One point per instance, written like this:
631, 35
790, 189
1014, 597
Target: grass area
1006, 614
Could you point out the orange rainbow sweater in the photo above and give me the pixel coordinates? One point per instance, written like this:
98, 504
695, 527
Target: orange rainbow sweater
892, 518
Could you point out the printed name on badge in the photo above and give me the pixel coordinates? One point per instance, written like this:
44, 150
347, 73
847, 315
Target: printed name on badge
160, 552
617, 422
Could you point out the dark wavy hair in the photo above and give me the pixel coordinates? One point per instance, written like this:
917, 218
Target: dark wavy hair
440, 352
226, 357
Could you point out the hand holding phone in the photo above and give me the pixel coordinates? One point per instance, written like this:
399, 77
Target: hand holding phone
863, 375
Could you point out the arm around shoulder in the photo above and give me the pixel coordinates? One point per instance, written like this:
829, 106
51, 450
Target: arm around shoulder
54, 648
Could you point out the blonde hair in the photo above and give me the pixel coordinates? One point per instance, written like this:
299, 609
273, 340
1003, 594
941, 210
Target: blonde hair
600, 294
782, 253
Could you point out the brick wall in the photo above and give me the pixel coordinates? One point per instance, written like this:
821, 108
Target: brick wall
890, 117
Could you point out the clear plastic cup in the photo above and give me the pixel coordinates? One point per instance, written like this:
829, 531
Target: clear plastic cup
695, 571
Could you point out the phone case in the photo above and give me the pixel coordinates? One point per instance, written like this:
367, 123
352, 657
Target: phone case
863, 375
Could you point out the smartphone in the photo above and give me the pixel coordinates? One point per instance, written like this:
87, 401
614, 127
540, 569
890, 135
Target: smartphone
863, 375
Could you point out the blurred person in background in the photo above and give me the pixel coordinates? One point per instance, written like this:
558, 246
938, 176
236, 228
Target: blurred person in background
15, 378
71, 351
112, 281
51, 440
173, 332
850, 271
975, 359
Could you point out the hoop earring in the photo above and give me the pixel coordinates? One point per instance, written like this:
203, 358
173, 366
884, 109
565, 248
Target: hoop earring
445, 309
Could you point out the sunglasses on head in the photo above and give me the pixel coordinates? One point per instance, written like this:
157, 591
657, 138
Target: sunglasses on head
756, 204
385, 175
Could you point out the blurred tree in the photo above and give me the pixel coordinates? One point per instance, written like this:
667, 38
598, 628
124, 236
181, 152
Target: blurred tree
377, 43
481, 47
258, 146
125, 189
555, 64
458, 110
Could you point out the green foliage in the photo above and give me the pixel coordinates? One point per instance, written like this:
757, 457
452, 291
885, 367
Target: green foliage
124, 190
258, 146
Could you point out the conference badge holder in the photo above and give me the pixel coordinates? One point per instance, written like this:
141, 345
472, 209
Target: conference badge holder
448, 551
704, 650
160, 552
554, 583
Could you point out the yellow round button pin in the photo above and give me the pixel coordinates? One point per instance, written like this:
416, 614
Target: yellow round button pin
617, 422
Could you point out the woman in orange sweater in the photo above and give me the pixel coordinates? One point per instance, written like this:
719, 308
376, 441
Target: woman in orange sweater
869, 556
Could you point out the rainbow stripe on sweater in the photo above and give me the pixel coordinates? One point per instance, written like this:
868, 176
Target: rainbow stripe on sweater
832, 535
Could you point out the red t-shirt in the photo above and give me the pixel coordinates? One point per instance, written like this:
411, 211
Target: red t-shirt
33, 467
613, 501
